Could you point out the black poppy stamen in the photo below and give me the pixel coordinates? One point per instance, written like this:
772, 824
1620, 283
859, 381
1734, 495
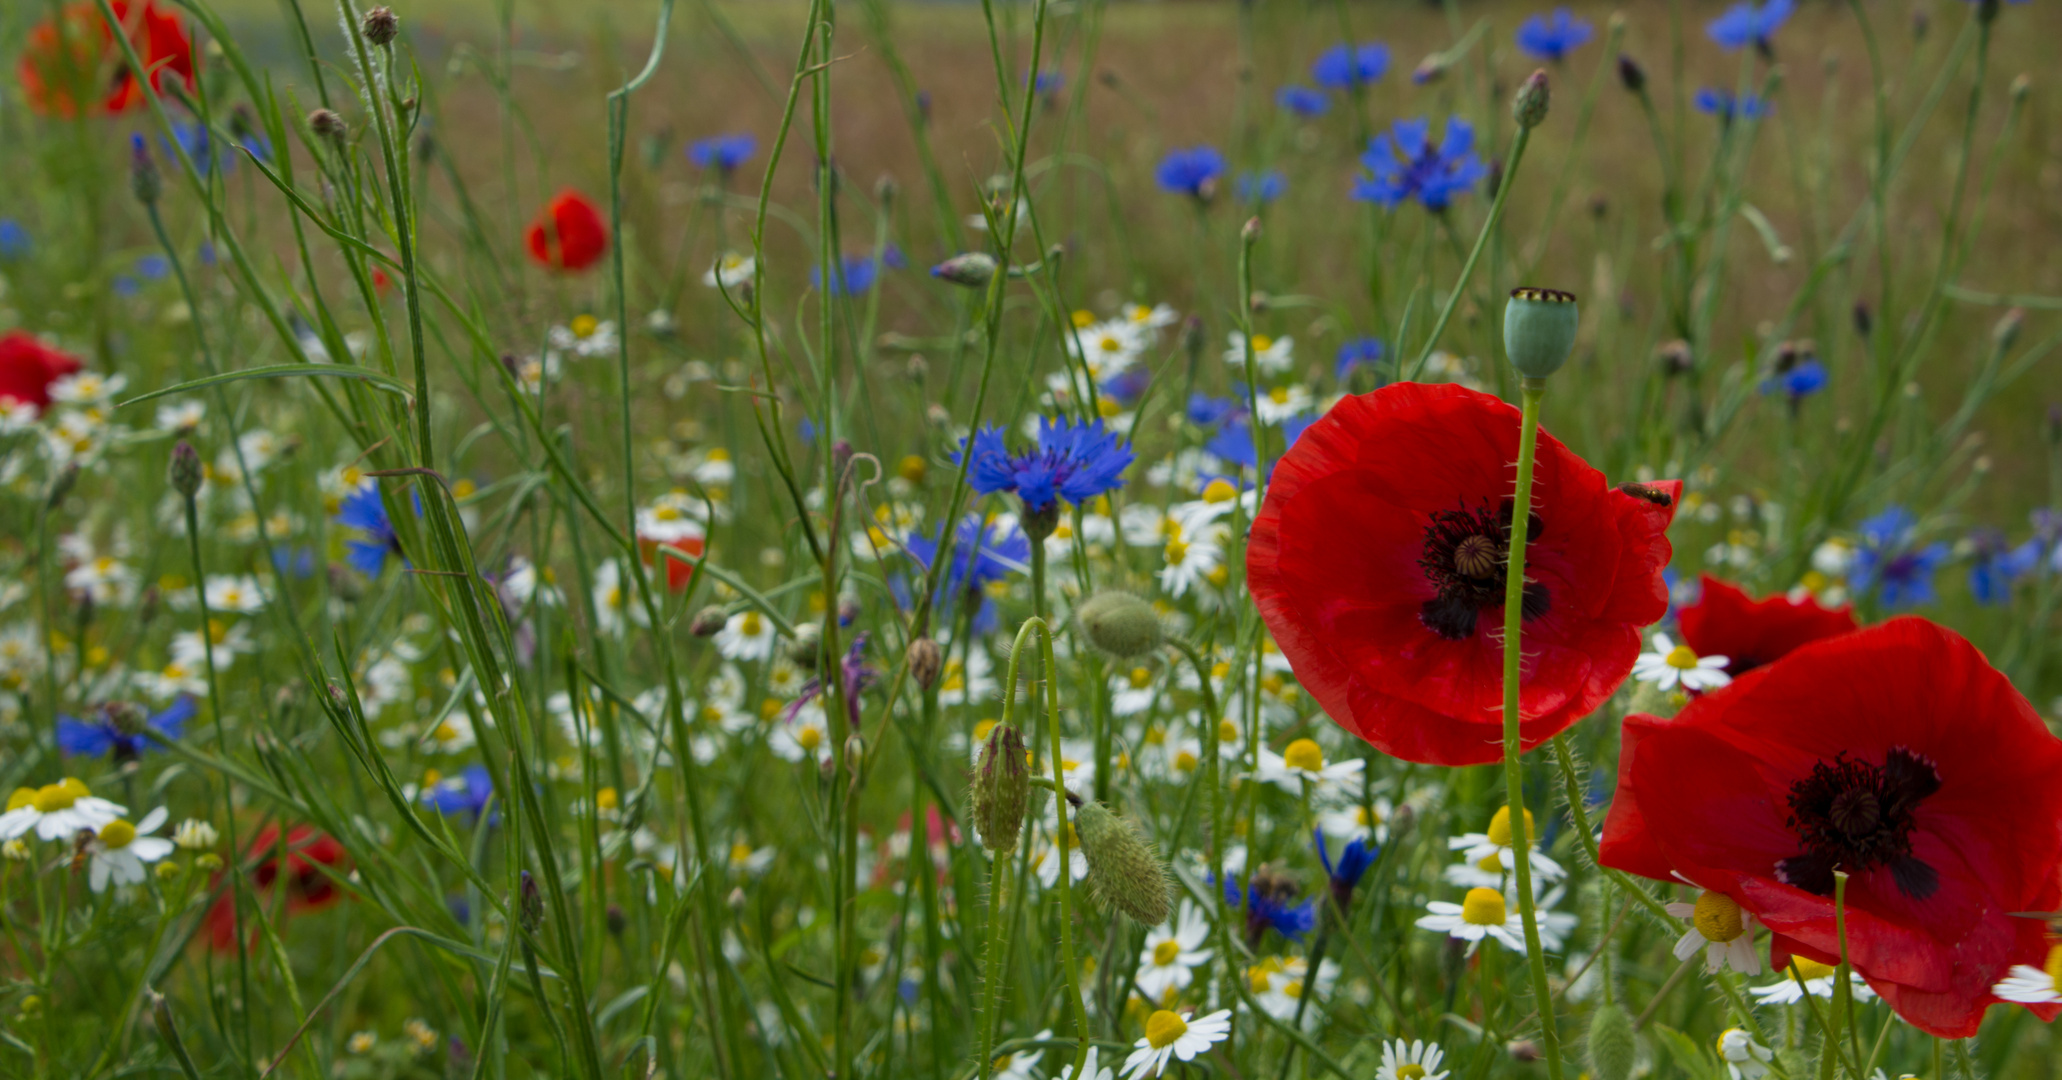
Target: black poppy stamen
1464, 558
1853, 816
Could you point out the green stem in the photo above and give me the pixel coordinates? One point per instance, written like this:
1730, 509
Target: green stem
1460, 289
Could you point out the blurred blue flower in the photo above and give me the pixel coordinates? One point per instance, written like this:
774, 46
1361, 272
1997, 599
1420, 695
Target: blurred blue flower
1075, 462
1127, 386
366, 512
1192, 172
104, 736
124, 285
199, 144
1722, 104
153, 267
1805, 378
858, 273
724, 153
466, 793
1404, 165
1048, 83
14, 240
1206, 410
1891, 561
1302, 100
1344, 66
1234, 442
1551, 37
1263, 188
1997, 565
206, 253
298, 561
1270, 904
1746, 24
1352, 866
1358, 352
981, 553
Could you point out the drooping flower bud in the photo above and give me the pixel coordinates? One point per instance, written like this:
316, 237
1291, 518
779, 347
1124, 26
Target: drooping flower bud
926, 660
973, 269
327, 124
144, 180
1123, 870
1001, 790
1539, 330
184, 470
1631, 74
380, 26
1610, 1043
1120, 624
1529, 106
708, 622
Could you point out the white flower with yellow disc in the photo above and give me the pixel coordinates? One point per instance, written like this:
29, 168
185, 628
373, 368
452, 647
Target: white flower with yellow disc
56, 811
120, 851
1720, 927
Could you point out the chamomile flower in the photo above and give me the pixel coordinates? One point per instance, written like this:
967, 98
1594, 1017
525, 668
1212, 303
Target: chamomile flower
1671, 665
747, 635
1271, 355
1134, 692
1492, 851
56, 811
1022, 1065
1089, 1069
1172, 953
805, 737
193, 834
1359, 822
1194, 558
239, 593
1482, 913
1279, 985
584, 336
1303, 763
87, 388
1171, 1036
119, 852
1283, 402
1721, 928
748, 860
1817, 981
731, 270
2031, 985
1416, 1060
1744, 1058
1107, 347
1045, 857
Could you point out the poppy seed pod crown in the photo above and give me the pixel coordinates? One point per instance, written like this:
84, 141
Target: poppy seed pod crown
1539, 330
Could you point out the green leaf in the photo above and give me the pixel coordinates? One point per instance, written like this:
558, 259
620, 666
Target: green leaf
282, 371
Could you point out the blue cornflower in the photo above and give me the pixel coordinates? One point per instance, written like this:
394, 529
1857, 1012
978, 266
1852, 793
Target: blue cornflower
1997, 565
1722, 104
1271, 904
1803, 379
124, 285
1404, 165
1127, 386
1262, 188
1302, 100
1746, 24
465, 793
1205, 410
1353, 865
1234, 442
153, 267
724, 153
1048, 83
1551, 37
1356, 352
1193, 172
1892, 561
1344, 66
14, 240
104, 736
206, 253
199, 144
365, 511
858, 273
1075, 462
981, 554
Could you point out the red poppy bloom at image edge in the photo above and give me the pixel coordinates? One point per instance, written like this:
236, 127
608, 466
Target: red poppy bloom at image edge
307, 885
570, 234
28, 367
1894, 753
74, 50
1726, 622
1378, 563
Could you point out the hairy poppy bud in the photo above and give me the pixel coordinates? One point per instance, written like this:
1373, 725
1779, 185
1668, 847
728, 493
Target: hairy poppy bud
184, 470
1539, 330
144, 181
926, 660
1123, 871
973, 269
1610, 1043
1631, 74
380, 26
708, 622
1529, 106
1120, 624
1001, 790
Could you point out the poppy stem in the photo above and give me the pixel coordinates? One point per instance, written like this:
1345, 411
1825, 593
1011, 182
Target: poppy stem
1534, 389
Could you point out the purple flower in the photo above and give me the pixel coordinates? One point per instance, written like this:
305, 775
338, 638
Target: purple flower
724, 153
1302, 100
105, 736
1892, 561
1075, 462
1344, 66
1746, 24
1193, 172
1403, 164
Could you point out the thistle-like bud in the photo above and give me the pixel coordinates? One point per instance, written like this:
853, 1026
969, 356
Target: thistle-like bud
926, 661
1539, 330
144, 181
1631, 75
1123, 870
885, 189
973, 269
1120, 624
1001, 790
1610, 1043
1529, 106
380, 26
184, 469
326, 124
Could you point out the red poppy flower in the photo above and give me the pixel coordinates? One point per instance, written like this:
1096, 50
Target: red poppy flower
28, 367
1726, 622
1896, 754
75, 51
569, 234
678, 572
307, 886
1378, 563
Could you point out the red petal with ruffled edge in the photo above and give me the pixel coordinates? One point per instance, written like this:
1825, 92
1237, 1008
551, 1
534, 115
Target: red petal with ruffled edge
1706, 797
1333, 566
570, 234
1726, 622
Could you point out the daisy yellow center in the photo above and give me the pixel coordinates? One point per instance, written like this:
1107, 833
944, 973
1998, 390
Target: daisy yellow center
1410, 1070
1177, 550
1165, 952
2054, 965
1279, 395
752, 624
1262, 343
1108, 407
1185, 761
606, 798
1293, 989
810, 738
1484, 907
1083, 319
1111, 344
116, 835
1500, 828
1811, 969
1141, 678
1304, 754
1682, 657
1217, 575
50, 798
982, 729
740, 851
1491, 863
912, 468
1717, 917
1163, 1027
1227, 731
584, 325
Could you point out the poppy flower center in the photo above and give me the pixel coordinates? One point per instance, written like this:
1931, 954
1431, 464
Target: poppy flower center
1464, 558
1484, 907
1304, 754
1855, 816
1163, 1027
1165, 952
1717, 917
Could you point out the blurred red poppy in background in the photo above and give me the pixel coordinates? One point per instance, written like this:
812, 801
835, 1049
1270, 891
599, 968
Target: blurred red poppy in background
307, 885
28, 367
569, 234
1378, 563
1895, 754
1726, 622
73, 56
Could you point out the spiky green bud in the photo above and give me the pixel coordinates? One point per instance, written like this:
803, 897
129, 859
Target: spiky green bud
1529, 105
1120, 624
1123, 870
1610, 1043
1001, 790
1539, 330
184, 471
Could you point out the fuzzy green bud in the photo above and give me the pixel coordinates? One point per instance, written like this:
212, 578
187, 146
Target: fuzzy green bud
1120, 624
973, 269
1529, 106
1539, 330
184, 470
1123, 870
1610, 1043
1001, 790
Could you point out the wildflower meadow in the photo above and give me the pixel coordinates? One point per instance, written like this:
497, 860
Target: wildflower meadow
1030, 539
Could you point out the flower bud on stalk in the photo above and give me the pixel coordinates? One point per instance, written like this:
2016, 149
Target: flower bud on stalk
973, 269
1610, 1043
1001, 790
1123, 871
1529, 107
708, 622
1120, 624
380, 26
184, 470
926, 661
1631, 74
1539, 330
530, 904
2007, 329
326, 124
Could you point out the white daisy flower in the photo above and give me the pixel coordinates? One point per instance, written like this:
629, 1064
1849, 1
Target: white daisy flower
1671, 665
1022, 1065
1283, 402
670, 518
748, 860
1271, 355
1171, 1036
747, 635
17, 416
181, 416
967, 679
87, 388
2029, 985
1279, 985
119, 853
731, 270
1172, 952
1491, 852
239, 593
1417, 1060
1818, 982
1554, 926
1134, 693
194, 834
1303, 762
1358, 822
1482, 913
1722, 929
1744, 1058
1089, 1070
1045, 857
807, 736
1108, 347
584, 336
1193, 558
56, 811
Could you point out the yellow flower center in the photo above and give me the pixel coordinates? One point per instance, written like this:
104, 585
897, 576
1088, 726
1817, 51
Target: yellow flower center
1410, 1071
810, 738
584, 325
982, 729
2054, 965
50, 798
740, 851
1165, 952
1227, 731
1500, 828
1484, 907
1681, 657
912, 468
1217, 575
1809, 968
606, 798
1163, 1027
752, 624
1107, 407
116, 835
1304, 754
1184, 762
1717, 917
1141, 678
1177, 550
1109, 343
1262, 343
445, 732
1083, 319
1279, 395
1491, 863
1219, 490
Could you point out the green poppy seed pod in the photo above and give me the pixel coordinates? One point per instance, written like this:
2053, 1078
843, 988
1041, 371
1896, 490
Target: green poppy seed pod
1120, 624
1529, 106
1123, 871
1610, 1043
184, 469
1001, 790
1539, 330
